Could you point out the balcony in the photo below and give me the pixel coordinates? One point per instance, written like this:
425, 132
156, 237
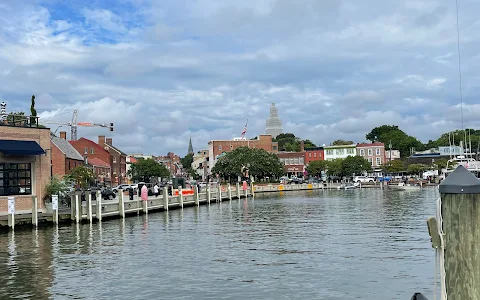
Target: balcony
21, 121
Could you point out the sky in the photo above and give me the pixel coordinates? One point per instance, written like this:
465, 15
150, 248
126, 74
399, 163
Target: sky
166, 70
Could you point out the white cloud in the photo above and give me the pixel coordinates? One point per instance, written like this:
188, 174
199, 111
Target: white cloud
105, 19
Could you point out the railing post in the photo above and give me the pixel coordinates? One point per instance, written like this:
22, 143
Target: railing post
460, 211
55, 209
229, 187
180, 196
238, 191
196, 196
165, 198
89, 208
99, 206
11, 212
34, 211
121, 204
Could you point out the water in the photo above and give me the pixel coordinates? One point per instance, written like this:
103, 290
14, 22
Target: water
358, 244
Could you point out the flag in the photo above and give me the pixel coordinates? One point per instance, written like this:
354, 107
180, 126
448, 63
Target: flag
244, 129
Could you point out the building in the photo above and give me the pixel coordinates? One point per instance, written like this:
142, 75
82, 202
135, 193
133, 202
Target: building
294, 162
374, 153
102, 171
392, 155
91, 150
130, 160
200, 163
118, 160
311, 154
65, 157
25, 164
273, 123
190, 147
219, 147
339, 151
171, 161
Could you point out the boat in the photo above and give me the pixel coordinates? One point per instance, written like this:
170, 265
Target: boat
348, 186
470, 163
401, 186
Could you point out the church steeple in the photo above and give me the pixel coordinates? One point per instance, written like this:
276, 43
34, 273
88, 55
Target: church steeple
190, 147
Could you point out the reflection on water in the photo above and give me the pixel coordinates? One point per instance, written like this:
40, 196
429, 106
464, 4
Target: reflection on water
358, 244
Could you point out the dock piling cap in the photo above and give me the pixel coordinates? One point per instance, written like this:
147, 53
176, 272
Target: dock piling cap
461, 181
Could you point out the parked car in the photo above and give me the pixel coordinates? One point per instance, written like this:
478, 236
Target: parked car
121, 186
107, 194
362, 179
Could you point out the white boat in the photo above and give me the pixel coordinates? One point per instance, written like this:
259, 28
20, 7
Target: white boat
404, 187
469, 163
348, 186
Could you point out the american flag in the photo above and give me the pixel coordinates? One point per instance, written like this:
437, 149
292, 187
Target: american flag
244, 129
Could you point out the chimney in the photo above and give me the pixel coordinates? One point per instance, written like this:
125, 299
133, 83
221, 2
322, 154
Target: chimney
302, 146
109, 142
63, 135
101, 141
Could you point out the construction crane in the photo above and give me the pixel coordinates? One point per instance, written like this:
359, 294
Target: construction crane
74, 124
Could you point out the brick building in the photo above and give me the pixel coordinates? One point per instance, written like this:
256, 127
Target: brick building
25, 165
311, 154
118, 161
102, 171
294, 162
171, 161
92, 150
64, 156
218, 147
374, 153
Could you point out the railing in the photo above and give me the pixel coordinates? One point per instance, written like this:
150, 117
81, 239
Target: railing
21, 121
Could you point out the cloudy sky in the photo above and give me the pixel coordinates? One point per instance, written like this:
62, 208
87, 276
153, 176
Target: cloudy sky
165, 70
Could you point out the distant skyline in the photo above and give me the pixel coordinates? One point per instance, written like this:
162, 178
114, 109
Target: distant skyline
163, 71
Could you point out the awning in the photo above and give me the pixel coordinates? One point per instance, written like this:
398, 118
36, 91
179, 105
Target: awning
10, 147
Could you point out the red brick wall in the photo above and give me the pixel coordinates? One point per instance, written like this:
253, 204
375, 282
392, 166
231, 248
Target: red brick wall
314, 154
58, 161
99, 152
41, 163
73, 164
264, 142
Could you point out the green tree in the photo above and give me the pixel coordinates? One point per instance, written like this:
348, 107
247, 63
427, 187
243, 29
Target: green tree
33, 111
16, 116
146, 168
440, 163
56, 186
399, 139
262, 164
334, 167
316, 167
81, 176
341, 142
288, 139
355, 165
417, 169
187, 161
309, 144
393, 166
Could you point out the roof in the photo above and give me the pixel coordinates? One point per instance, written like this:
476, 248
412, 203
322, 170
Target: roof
116, 149
460, 181
14, 147
66, 148
98, 162
313, 148
133, 160
376, 144
97, 146
341, 146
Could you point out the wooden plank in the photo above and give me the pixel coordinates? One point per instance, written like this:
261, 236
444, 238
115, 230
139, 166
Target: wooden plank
433, 232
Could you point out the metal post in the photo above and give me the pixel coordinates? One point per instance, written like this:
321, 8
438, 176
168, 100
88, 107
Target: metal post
34, 211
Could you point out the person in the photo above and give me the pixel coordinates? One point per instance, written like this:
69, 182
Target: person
156, 190
144, 193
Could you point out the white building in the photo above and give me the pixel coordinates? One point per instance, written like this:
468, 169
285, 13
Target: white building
392, 154
274, 123
339, 151
200, 163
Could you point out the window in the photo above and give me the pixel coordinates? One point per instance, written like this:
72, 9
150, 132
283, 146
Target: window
274, 148
301, 161
350, 151
15, 179
92, 151
282, 160
291, 161
362, 152
314, 154
379, 161
295, 161
114, 159
69, 167
370, 160
370, 152
220, 148
329, 152
377, 151
340, 151
85, 150
310, 154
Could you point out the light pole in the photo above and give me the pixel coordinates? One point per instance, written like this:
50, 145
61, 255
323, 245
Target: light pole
390, 147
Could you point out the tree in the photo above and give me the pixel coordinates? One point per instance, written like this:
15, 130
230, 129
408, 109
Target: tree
417, 169
355, 165
82, 176
143, 169
316, 167
334, 167
262, 164
309, 144
394, 166
15, 116
289, 142
33, 112
399, 139
377, 132
341, 142
187, 161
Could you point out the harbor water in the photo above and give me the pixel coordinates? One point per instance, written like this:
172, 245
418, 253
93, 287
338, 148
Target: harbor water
354, 244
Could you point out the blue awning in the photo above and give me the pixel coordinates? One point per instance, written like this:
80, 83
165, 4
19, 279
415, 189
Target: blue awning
10, 147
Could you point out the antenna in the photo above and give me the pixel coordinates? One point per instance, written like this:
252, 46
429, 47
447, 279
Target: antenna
460, 72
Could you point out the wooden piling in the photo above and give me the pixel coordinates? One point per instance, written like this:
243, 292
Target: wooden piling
98, 214
180, 196
55, 209
78, 207
34, 211
11, 212
165, 198
196, 196
460, 209
121, 204
238, 191
209, 196
89, 208
229, 187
